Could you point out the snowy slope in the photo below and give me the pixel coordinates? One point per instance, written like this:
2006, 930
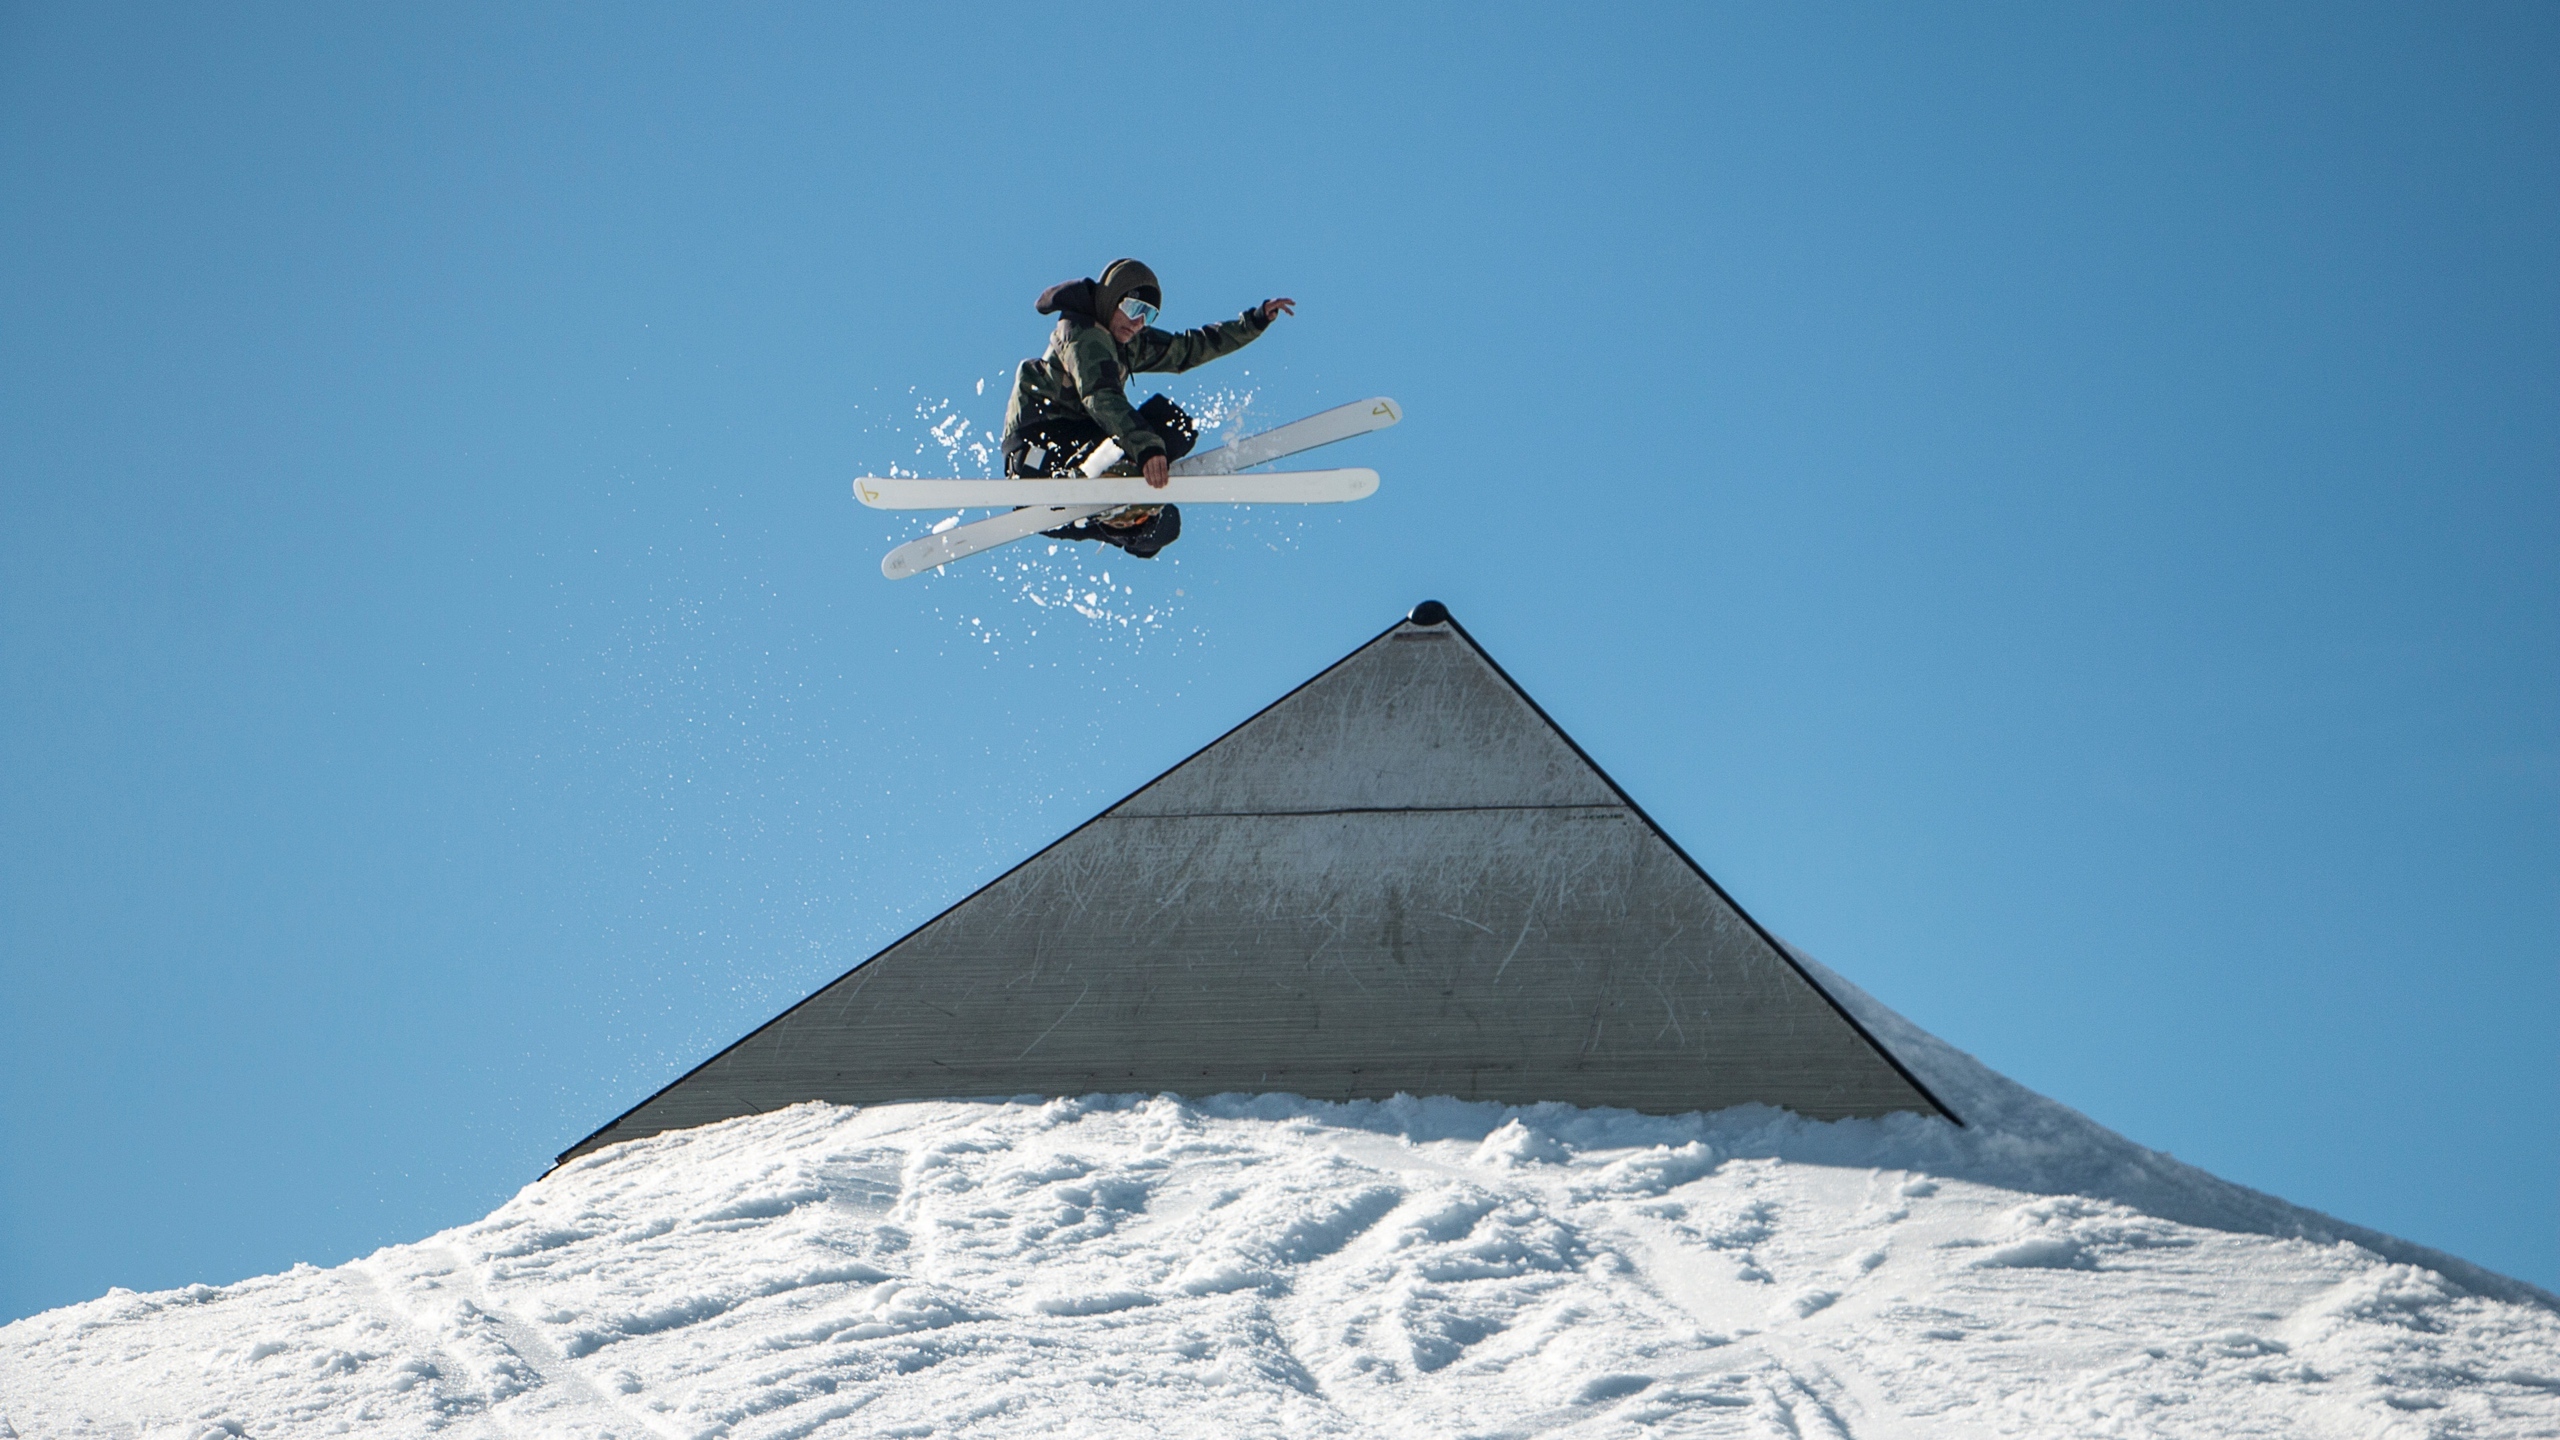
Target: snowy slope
1243, 1266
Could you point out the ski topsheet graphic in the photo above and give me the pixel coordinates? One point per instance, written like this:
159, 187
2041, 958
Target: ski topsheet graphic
1049, 504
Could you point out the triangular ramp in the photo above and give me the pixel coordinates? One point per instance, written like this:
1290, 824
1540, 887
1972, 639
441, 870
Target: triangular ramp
1400, 877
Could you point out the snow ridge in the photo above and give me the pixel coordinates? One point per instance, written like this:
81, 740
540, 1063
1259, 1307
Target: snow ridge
2023, 1141
1267, 1265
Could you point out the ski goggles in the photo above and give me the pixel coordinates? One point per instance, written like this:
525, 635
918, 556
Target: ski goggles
1138, 310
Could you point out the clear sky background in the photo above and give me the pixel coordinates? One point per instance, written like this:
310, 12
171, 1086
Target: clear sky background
2056, 507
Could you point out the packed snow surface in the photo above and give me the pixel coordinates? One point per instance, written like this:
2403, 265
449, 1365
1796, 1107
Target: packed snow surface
1250, 1266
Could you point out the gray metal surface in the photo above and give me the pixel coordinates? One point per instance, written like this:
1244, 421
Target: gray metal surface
1402, 877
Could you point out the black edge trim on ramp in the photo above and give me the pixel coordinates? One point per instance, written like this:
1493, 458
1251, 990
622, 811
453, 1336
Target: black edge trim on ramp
1757, 928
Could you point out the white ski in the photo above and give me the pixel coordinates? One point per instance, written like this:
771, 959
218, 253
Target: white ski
961, 541
1270, 487
1298, 436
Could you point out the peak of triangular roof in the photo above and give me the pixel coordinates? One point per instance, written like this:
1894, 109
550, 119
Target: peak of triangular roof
1401, 876
1417, 719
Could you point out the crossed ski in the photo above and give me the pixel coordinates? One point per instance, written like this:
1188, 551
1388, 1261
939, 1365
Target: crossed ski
1211, 477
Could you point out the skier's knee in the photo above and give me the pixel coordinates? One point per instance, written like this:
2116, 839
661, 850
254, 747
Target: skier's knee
1172, 424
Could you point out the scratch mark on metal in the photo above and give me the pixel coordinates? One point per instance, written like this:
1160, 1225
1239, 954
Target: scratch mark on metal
1054, 1024
1525, 922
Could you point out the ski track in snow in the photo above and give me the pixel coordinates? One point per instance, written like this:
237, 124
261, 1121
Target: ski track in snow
1275, 1266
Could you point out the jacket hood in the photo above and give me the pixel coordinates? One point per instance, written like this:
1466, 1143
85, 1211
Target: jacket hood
1074, 298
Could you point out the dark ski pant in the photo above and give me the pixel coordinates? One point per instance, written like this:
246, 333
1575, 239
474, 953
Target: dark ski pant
1058, 446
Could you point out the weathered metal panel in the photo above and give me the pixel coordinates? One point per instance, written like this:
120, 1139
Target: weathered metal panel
1417, 718
1401, 878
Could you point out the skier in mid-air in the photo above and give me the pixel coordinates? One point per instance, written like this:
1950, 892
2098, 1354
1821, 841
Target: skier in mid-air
1069, 401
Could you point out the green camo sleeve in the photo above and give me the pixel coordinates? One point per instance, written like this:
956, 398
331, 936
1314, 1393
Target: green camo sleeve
1157, 350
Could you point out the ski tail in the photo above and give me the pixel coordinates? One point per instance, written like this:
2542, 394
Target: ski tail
930, 552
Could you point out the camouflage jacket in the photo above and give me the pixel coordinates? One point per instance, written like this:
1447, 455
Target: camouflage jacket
1085, 370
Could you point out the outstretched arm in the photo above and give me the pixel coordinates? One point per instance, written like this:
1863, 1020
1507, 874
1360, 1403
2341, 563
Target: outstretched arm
1159, 350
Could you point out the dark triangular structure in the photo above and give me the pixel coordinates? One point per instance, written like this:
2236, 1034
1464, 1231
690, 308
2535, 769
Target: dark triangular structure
1400, 877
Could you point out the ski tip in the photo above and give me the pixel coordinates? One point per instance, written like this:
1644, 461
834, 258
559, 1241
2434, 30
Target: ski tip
867, 492
1429, 612
1386, 411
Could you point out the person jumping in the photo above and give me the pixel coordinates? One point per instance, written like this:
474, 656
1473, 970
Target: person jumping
1071, 399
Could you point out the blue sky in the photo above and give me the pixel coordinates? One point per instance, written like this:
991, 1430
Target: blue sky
2054, 506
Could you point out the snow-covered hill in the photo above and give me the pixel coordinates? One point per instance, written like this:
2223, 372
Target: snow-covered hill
1243, 1266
